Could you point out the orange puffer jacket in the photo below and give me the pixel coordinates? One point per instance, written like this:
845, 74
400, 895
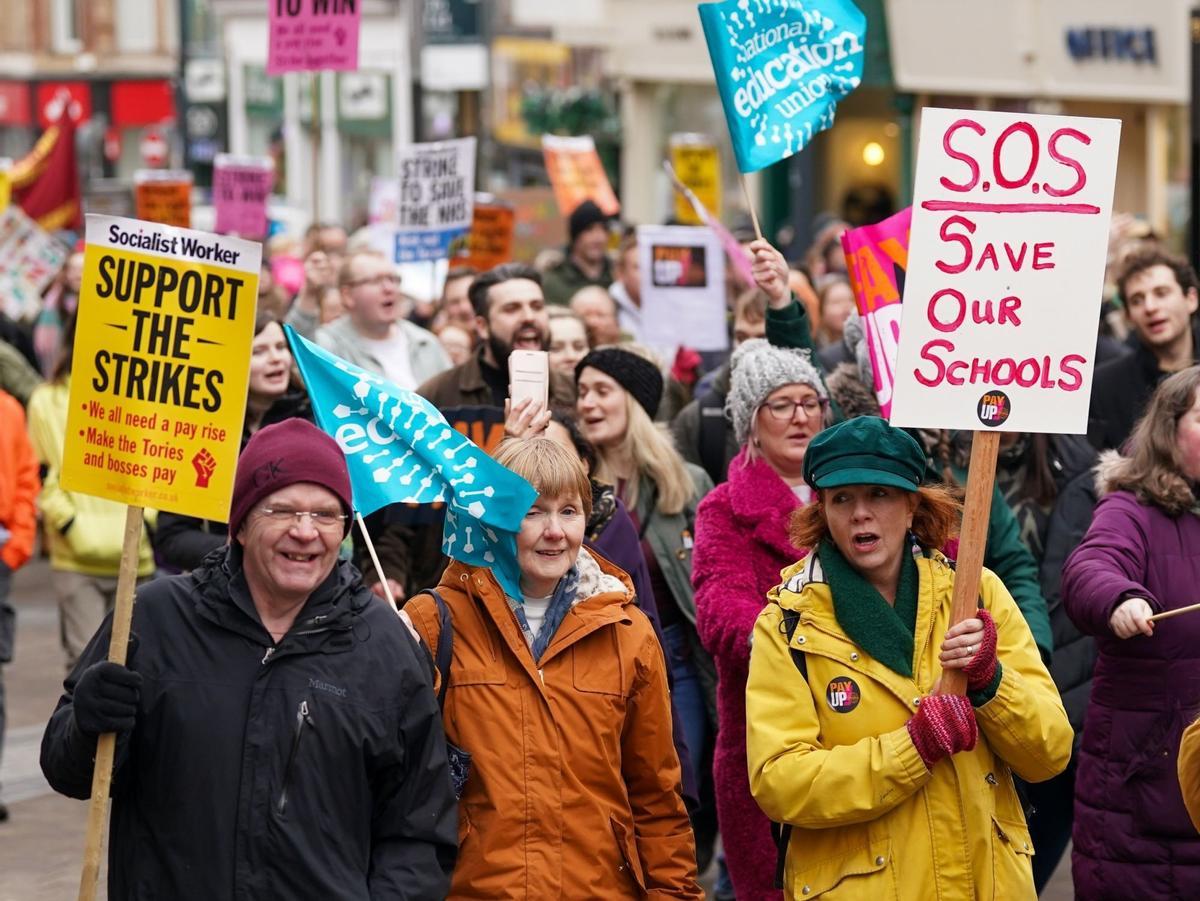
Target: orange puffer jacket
574, 789
19, 485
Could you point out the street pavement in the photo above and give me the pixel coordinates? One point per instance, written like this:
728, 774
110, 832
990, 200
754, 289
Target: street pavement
41, 845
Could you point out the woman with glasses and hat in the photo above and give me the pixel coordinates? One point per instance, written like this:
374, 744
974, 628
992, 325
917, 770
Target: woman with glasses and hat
778, 404
886, 787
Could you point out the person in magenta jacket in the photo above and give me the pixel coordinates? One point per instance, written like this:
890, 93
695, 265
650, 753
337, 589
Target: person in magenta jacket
1141, 556
777, 403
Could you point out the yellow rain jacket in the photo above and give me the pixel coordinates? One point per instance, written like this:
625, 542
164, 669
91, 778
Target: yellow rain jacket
831, 755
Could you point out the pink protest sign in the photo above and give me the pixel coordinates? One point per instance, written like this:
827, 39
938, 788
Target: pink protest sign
876, 257
313, 35
241, 186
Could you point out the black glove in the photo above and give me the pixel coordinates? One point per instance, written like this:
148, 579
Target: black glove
106, 698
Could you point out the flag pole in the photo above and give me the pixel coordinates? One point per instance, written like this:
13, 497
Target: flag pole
387, 589
750, 204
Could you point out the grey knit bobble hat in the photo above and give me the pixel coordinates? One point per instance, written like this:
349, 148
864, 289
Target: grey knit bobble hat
758, 369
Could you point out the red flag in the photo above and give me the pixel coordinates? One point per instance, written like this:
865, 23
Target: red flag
45, 183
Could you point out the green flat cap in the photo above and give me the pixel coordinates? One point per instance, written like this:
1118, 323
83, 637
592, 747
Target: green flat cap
864, 451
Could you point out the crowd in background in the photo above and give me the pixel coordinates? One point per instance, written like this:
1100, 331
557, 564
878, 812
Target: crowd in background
696, 469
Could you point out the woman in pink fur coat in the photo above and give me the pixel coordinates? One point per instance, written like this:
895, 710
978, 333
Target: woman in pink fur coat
777, 403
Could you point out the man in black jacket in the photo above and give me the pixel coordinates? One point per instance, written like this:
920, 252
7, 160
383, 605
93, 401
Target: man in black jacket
1159, 292
278, 735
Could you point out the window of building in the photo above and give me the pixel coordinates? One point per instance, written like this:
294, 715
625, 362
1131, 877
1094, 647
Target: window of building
64, 24
137, 26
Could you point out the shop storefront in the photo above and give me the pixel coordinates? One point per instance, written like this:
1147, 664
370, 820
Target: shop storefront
1105, 58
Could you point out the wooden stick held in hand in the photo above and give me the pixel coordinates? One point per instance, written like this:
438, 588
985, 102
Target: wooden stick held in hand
106, 745
1170, 613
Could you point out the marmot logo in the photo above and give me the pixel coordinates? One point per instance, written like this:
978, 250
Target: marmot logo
325, 686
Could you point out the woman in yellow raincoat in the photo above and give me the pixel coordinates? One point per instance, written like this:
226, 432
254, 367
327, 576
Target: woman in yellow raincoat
892, 790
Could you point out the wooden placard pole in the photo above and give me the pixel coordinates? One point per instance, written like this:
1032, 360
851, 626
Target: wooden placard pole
106, 745
977, 508
387, 589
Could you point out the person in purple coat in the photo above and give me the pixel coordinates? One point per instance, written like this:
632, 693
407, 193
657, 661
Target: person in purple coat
1141, 556
778, 404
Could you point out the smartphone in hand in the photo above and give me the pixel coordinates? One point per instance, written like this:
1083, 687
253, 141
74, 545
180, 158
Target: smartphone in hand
529, 377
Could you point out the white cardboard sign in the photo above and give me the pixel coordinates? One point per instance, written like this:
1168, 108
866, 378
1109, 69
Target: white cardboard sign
683, 288
1005, 271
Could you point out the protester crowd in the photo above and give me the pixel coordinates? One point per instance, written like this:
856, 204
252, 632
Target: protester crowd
732, 622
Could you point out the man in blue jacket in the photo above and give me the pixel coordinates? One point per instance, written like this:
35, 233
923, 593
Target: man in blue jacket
278, 735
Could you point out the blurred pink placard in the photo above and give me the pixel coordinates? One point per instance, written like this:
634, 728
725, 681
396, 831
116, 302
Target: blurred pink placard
313, 35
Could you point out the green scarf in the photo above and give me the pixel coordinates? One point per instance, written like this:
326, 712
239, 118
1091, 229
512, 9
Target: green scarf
882, 630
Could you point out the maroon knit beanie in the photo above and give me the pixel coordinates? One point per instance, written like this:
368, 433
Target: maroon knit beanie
283, 454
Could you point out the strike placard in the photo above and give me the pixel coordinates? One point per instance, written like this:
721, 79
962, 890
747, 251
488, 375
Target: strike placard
683, 281
241, 187
436, 200
313, 35
1006, 266
577, 174
490, 242
161, 363
164, 196
697, 162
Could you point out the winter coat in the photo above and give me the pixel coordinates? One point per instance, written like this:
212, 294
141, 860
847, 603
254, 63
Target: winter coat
1131, 827
1074, 652
1121, 388
702, 432
426, 356
671, 538
84, 533
560, 282
1189, 771
574, 785
19, 485
831, 754
315, 768
741, 546
181, 542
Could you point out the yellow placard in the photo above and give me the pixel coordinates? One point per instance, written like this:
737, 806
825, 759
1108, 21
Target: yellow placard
697, 162
5, 185
161, 365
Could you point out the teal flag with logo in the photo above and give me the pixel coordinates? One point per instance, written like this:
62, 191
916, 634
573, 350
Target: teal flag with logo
400, 450
782, 66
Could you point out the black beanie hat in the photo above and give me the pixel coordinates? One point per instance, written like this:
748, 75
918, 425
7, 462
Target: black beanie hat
584, 217
634, 373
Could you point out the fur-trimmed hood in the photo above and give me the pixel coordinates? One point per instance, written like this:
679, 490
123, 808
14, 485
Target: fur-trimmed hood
849, 392
1105, 471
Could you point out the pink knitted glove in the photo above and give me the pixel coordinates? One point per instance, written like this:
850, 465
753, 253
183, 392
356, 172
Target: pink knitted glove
943, 725
982, 668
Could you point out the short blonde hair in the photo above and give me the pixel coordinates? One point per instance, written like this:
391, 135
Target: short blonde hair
550, 468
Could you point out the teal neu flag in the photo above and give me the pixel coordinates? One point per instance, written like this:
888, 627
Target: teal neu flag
400, 449
781, 67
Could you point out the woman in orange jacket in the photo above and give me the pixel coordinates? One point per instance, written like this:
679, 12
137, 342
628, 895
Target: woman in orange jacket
19, 488
560, 697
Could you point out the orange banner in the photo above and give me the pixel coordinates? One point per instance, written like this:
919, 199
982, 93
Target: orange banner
577, 174
490, 241
163, 196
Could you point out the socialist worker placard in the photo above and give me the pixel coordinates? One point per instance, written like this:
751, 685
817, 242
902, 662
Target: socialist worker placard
160, 366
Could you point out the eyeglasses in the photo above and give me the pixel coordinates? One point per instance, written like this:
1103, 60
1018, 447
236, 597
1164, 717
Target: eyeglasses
784, 408
324, 520
379, 281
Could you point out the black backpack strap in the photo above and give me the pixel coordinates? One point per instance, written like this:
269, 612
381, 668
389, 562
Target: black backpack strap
713, 430
445, 648
782, 832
